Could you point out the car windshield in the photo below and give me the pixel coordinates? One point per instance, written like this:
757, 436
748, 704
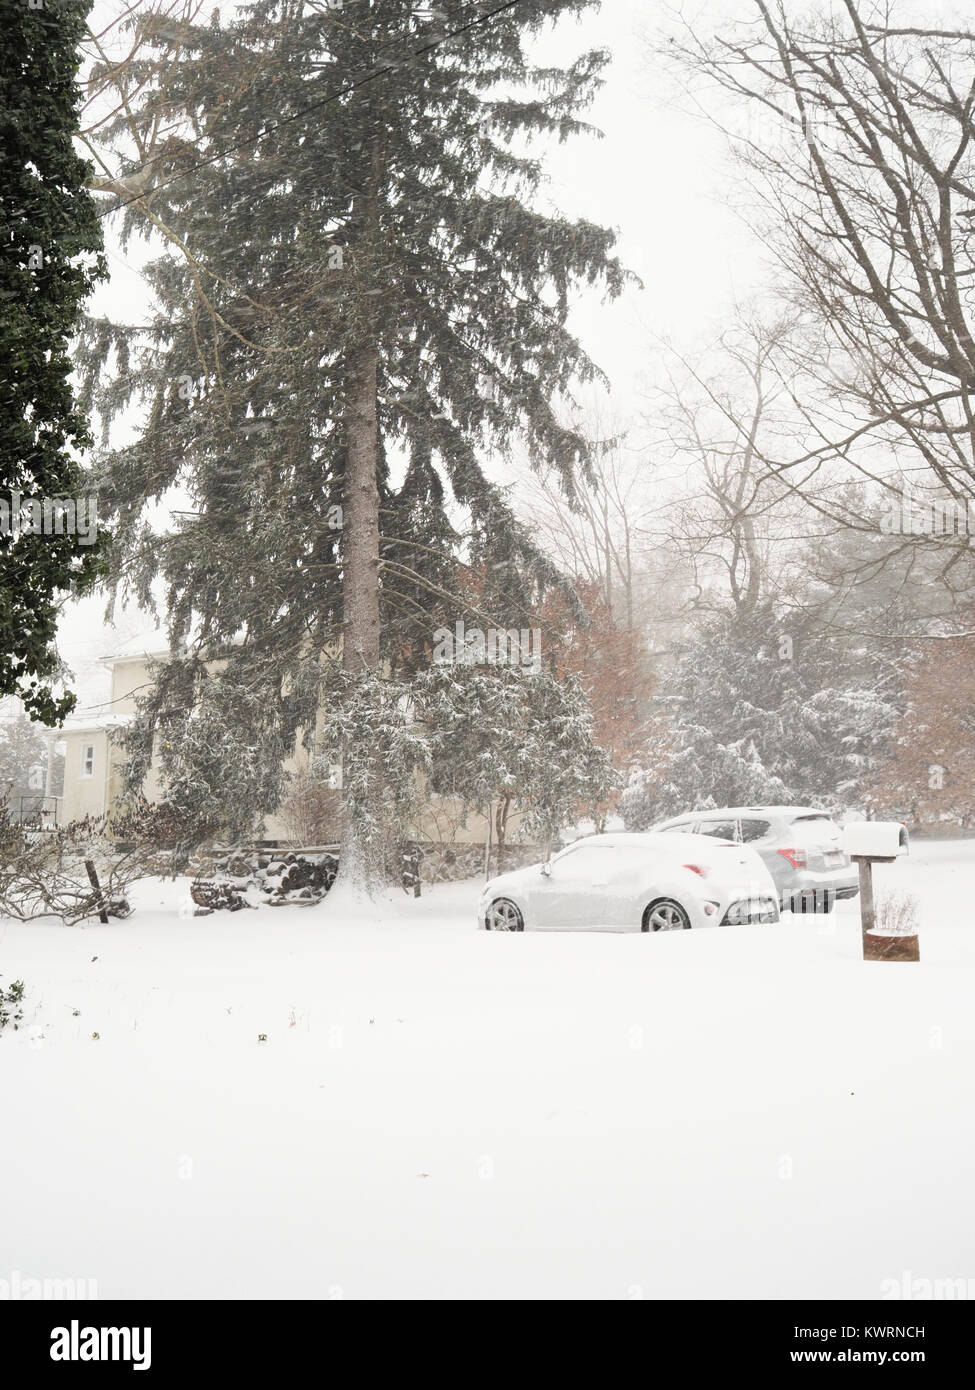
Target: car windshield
576, 852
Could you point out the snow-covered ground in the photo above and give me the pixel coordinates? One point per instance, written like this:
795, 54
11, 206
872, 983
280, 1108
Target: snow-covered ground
439, 1112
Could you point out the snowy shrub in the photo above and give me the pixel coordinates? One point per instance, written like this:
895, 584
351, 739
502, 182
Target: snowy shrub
11, 998
896, 914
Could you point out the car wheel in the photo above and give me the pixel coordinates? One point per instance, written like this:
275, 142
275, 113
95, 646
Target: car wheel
665, 915
504, 915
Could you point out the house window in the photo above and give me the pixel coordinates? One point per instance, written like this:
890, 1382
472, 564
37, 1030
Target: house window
88, 760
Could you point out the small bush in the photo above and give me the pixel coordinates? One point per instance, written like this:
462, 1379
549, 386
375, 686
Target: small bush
10, 1002
896, 914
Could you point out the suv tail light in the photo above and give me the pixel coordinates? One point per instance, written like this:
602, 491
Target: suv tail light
796, 857
697, 869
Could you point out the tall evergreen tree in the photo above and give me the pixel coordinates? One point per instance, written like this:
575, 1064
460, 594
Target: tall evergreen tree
50, 258
359, 300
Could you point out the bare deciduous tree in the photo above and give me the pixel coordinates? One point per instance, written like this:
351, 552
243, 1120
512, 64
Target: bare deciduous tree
595, 535
865, 167
719, 423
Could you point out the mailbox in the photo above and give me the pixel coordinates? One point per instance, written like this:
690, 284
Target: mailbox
876, 839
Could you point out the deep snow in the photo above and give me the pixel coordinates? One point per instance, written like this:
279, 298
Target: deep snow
439, 1112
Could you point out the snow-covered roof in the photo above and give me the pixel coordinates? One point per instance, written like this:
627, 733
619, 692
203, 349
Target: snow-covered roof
150, 644
144, 644
92, 723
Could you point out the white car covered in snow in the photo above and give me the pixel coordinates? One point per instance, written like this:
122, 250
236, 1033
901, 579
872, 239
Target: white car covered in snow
634, 882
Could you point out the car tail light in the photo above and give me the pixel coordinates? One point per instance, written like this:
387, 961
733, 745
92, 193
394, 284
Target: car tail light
697, 869
796, 857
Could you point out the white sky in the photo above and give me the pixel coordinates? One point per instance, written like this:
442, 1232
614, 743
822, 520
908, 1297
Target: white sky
659, 176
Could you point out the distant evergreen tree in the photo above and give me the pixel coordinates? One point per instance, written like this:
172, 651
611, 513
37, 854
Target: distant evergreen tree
24, 763
50, 258
762, 710
365, 301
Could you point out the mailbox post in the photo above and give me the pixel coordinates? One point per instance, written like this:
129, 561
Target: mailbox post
878, 842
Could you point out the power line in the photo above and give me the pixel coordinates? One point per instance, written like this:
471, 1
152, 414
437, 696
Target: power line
315, 105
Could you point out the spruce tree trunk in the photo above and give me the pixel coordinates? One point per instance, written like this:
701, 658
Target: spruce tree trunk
362, 855
360, 551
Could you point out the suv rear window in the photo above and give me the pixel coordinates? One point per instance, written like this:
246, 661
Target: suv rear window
814, 830
720, 829
753, 830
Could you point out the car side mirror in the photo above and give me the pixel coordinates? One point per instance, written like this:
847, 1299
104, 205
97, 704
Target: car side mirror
547, 870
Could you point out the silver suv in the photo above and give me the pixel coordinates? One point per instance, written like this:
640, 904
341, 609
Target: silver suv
801, 847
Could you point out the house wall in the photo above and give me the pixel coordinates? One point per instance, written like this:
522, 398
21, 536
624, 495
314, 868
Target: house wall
84, 796
130, 677
93, 796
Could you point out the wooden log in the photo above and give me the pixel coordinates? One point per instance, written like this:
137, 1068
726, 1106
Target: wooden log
99, 895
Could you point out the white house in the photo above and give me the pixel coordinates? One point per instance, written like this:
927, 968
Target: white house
92, 778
